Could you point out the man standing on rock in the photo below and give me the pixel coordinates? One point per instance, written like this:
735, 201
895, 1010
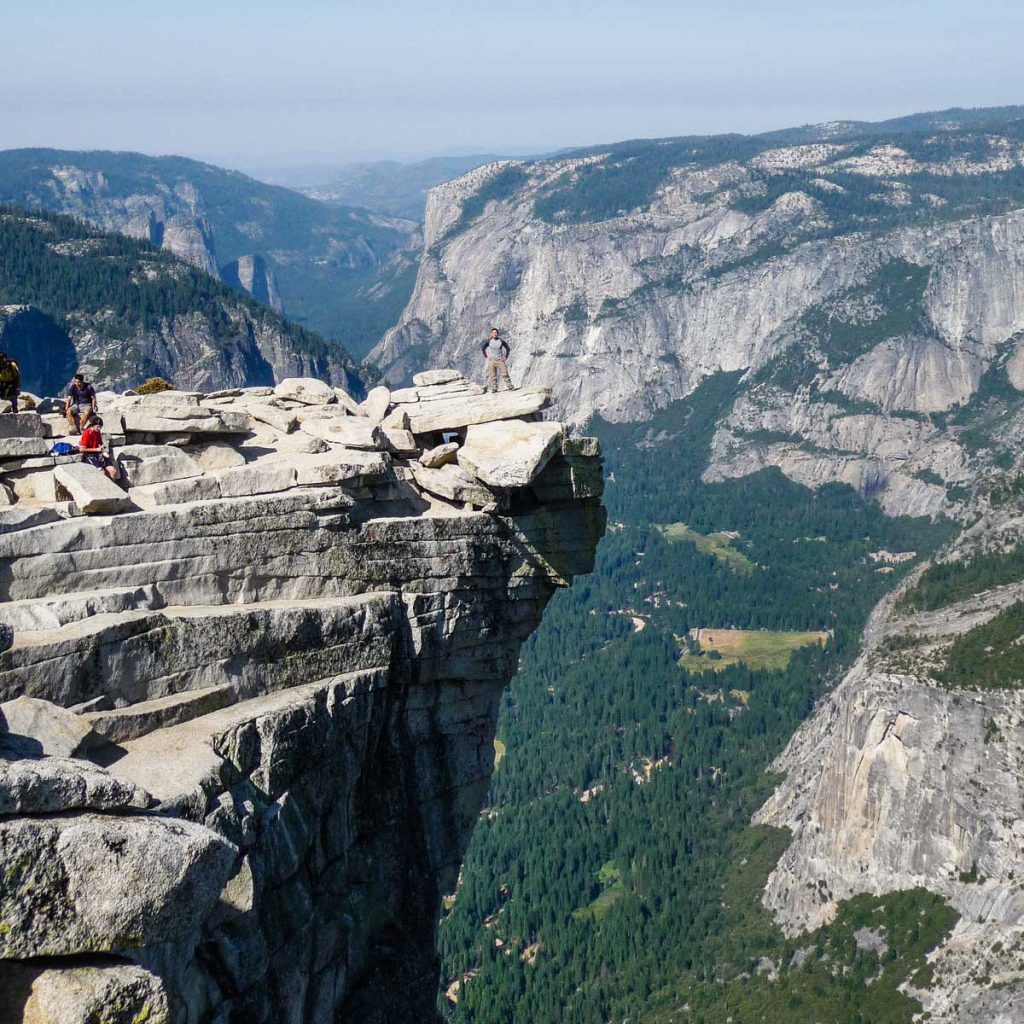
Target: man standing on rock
496, 350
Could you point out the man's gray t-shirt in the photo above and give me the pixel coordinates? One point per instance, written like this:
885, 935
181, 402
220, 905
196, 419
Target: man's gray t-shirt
495, 348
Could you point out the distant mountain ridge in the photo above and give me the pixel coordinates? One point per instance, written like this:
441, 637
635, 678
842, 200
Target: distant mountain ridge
390, 187
72, 296
331, 268
950, 119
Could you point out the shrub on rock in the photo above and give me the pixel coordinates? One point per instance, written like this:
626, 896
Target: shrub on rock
154, 385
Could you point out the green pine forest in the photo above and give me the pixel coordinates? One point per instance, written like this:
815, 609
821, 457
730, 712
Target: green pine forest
614, 875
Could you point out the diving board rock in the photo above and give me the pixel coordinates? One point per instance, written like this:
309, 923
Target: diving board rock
269, 690
509, 453
91, 489
450, 414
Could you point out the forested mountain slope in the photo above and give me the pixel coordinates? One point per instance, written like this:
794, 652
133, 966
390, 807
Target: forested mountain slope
867, 279
72, 296
339, 270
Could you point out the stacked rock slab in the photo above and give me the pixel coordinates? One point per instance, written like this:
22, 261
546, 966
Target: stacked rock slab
247, 722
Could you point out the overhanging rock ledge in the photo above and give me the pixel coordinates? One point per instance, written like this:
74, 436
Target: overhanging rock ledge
247, 722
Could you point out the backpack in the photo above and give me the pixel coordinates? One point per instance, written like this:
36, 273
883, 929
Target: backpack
63, 448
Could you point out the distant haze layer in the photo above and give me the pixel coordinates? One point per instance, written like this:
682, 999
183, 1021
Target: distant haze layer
235, 82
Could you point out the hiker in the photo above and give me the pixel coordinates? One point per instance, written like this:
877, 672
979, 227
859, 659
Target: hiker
91, 447
10, 380
80, 403
496, 350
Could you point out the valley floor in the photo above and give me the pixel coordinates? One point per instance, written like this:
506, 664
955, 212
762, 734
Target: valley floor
615, 875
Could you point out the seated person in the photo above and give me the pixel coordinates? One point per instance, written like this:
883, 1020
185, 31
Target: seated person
80, 402
91, 447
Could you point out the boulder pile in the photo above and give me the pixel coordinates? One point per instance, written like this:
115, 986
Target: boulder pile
443, 437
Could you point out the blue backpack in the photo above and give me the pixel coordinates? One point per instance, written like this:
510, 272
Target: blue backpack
63, 448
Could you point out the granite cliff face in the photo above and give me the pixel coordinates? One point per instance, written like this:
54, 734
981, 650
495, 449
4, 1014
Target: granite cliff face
867, 280
248, 705
900, 780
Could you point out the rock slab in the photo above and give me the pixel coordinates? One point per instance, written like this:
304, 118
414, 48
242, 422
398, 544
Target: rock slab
178, 870
427, 377
509, 453
450, 414
307, 390
155, 464
91, 489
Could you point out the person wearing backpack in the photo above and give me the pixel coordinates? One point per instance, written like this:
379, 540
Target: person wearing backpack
10, 380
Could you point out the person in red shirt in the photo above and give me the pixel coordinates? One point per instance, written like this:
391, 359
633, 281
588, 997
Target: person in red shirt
91, 448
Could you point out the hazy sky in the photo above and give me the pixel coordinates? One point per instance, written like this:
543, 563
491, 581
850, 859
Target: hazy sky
259, 81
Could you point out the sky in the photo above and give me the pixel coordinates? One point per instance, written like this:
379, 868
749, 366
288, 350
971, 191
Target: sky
254, 82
